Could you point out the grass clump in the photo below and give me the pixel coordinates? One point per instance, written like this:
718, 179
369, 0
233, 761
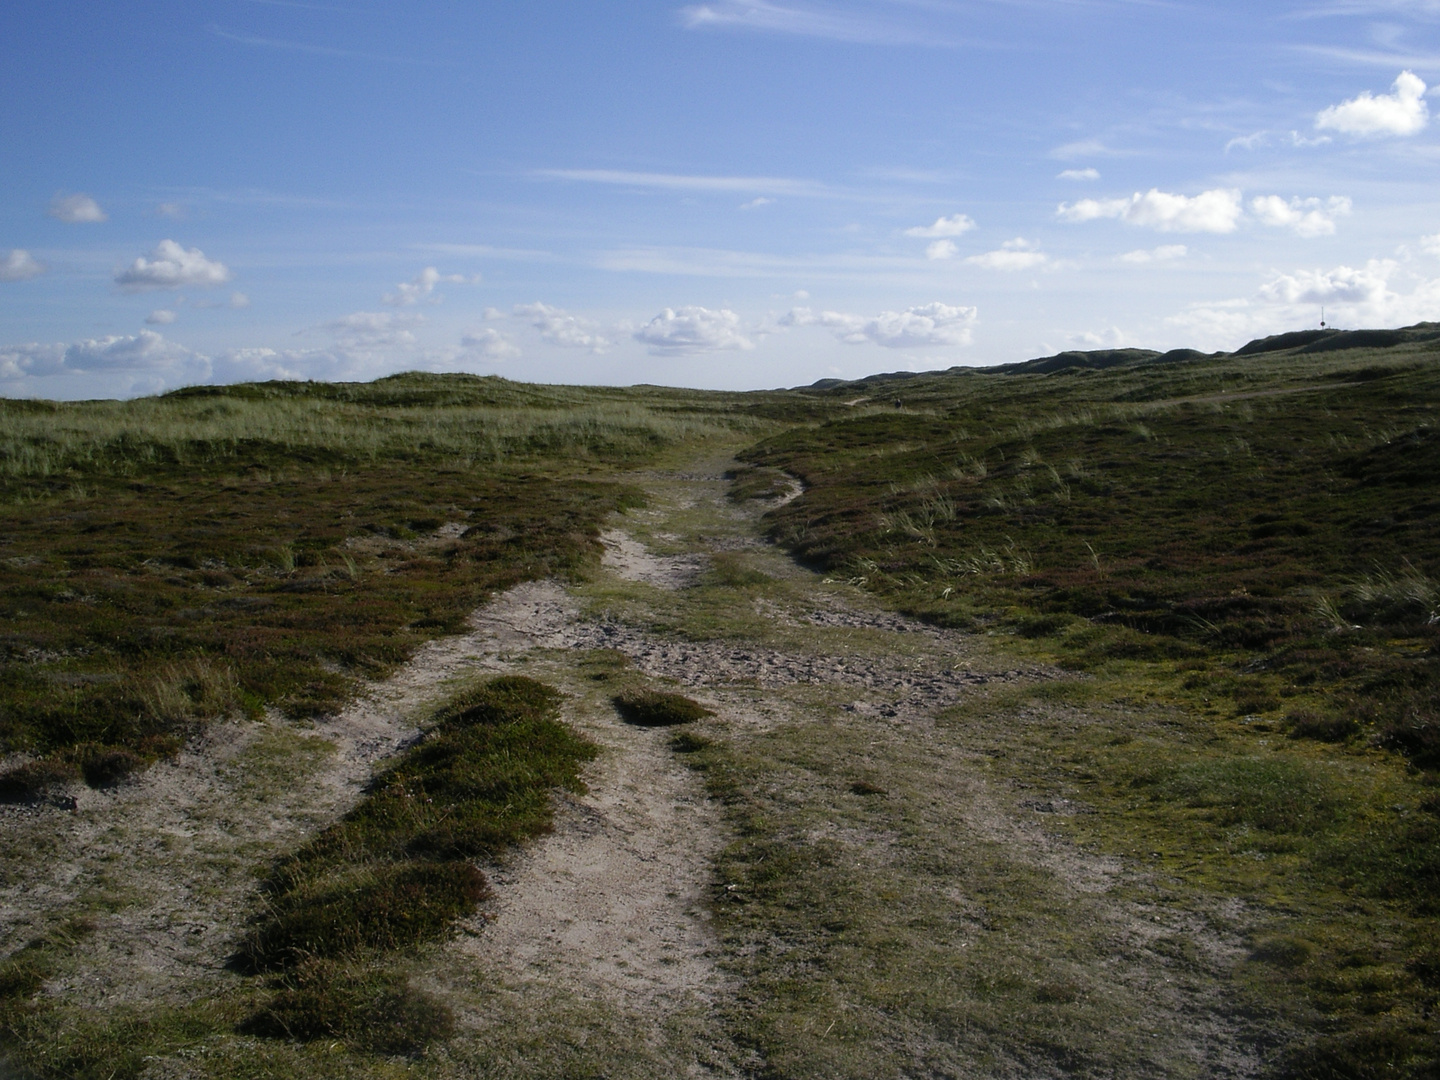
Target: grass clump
369, 1009
397, 870
659, 708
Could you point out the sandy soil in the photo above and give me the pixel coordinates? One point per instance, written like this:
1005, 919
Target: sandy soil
611, 906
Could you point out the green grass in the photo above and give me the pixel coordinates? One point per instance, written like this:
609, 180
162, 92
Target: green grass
170, 560
398, 869
1247, 546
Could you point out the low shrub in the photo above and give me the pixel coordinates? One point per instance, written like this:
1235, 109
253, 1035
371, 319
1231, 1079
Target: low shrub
33, 779
1330, 729
369, 1009
396, 871
658, 708
388, 908
687, 742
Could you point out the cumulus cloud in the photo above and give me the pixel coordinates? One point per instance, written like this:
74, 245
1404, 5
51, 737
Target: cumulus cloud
489, 344
1079, 174
1402, 112
1163, 253
20, 265
421, 287
1379, 293
915, 327
146, 351
1368, 285
1214, 211
160, 317
171, 266
76, 209
370, 329
954, 225
691, 330
559, 327
1305, 217
941, 249
1430, 244
1017, 254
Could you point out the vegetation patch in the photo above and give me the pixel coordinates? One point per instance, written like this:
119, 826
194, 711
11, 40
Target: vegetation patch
397, 870
659, 708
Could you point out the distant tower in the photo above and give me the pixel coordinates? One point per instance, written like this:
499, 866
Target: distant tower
1322, 316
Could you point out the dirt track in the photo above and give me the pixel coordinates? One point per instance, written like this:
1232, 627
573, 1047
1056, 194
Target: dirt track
614, 909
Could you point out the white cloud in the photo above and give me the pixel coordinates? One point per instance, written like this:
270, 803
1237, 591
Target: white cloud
929, 324
19, 265
1368, 286
146, 351
160, 317
1017, 254
691, 330
1215, 211
1079, 174
772, 185
1266, 138
808, 21
954, 225
559, 327
1353, 297
173, 210
941, 249
421, 287
1403, 112
489, 344
756, 203
239, 300
370, 329
1305, 217
1164, 253
1430, 244
170, 266
76, 209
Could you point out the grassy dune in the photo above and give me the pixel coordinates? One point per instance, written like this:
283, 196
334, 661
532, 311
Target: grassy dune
1237, 555
1243, 553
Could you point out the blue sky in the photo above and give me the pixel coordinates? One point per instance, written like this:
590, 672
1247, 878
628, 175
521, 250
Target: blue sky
734, 194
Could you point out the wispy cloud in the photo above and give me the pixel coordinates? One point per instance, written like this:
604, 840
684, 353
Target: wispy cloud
1079, 174
77, 209
1306, 218
954, 225
1373, 57
1163, 253
915, 327
559, 327
20, 265
1017, 254
284, 45
808, 20
768, 185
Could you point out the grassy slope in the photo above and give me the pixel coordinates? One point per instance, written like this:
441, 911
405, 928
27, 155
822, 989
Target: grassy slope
1242, 552
167, 560
1237, 550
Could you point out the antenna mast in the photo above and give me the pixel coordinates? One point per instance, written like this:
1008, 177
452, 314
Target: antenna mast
1322, 316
